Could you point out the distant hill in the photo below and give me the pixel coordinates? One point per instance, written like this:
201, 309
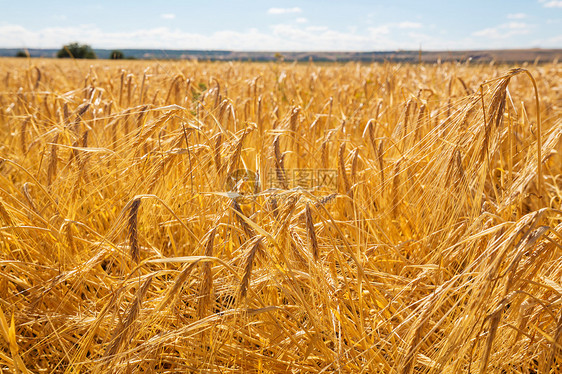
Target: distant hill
479, 56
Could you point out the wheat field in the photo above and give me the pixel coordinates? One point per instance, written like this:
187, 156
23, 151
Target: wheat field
267, 218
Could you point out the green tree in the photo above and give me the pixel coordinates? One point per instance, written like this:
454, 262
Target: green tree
116, 55
76, 50
21, 53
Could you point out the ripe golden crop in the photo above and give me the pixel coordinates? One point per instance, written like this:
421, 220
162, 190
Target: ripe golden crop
228, 217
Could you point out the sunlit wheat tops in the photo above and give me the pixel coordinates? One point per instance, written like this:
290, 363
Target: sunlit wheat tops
269, 218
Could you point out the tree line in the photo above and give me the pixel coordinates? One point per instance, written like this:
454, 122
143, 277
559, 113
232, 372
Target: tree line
79, 51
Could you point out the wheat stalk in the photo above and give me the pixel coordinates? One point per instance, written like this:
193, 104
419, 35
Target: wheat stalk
207, 277
132, 229
311, 234
248, 266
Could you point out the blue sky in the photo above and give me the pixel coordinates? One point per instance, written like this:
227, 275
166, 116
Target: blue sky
331, 25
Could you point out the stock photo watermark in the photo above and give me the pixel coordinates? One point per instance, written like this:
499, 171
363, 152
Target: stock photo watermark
246, 181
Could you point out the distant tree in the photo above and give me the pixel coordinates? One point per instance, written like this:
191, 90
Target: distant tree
116, 55
76, 50
21, 53
279, 57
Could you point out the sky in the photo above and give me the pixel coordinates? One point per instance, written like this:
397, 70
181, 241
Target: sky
267, 25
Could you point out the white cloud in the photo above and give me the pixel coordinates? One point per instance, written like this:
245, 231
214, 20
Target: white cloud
504, 31
378, 31
517, 25
317, 29
321, 38
516, 16
301, 20
554, 40
552, 3
409, 25
168, 16
284, 10
280, 37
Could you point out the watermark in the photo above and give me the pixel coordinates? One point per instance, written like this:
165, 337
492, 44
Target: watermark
307, 179
245, 181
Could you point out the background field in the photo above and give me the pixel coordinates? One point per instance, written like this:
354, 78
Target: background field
130, 240
501, 56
